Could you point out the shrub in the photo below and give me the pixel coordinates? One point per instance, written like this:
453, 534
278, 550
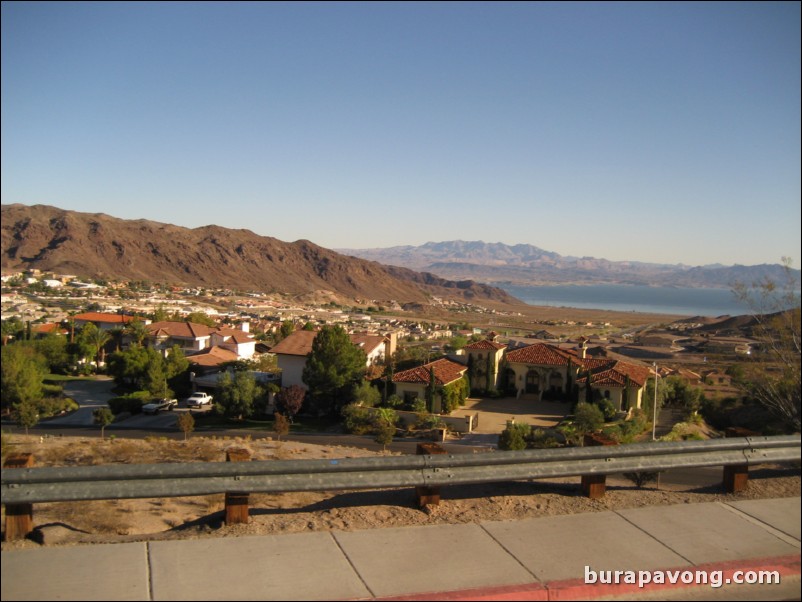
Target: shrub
514, 437
428, 421
641, 478
358, 419
131, 403
543, 439
588, 418
607, 409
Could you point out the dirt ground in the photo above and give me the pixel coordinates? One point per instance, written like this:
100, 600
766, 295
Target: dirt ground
69, 523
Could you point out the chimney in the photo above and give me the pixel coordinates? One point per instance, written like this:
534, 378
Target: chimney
583, 347
245, 327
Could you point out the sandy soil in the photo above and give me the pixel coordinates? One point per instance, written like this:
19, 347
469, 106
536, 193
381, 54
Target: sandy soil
194, 517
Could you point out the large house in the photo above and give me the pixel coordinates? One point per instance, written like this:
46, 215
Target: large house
104, 321
412, 383
292, 352
204, 346
543, 370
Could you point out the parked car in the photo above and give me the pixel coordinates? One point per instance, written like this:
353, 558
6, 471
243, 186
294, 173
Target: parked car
156, 406
197, 400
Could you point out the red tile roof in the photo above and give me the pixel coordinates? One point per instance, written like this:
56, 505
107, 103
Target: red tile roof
213, 356
96, 316
540, 354
183, 330
300, 342
614, 373
445, 372
485, 344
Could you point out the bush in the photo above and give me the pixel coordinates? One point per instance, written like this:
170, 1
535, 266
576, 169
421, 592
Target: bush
588, 418
428, 421
543, 439
514, 437
641, 478
358, 419
607, 409
131, 403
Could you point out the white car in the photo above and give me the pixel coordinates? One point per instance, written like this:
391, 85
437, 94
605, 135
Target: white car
197, 400
156, 406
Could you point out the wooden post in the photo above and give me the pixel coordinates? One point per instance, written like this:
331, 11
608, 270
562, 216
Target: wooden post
237, 501
427, 496
595, 485
736, 478
19, 517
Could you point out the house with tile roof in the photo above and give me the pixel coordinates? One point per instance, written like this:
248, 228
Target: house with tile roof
411, 384
547, 371
291, 353
189, 336
235, 340
484, 359
104, 321
620, 382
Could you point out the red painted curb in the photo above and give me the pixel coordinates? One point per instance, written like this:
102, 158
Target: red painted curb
575, 589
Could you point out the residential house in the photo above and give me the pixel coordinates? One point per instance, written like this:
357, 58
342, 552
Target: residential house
104, 321
539, 368
291, 353
545, 371
717, 378
620, 382
484, 360
411, 384
189, 336
239, 341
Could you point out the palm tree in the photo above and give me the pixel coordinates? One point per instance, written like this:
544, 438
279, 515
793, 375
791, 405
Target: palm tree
137, 331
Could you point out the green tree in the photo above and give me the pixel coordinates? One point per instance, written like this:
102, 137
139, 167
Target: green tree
53, 348
103, 417
236, 396
23, 371
199, 317
286, 329
332, 369
367, 394
588, 418
91, 341
137, 331
27, 414
13, 330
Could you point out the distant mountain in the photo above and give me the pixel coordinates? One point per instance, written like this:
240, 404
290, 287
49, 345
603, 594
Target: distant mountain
529, 265
97, 245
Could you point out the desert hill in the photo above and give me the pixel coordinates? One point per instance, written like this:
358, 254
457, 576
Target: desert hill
100, 246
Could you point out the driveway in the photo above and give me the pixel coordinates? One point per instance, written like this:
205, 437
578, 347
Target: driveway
494, 413
89, 394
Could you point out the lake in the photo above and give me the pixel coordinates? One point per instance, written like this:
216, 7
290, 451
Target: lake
627, 297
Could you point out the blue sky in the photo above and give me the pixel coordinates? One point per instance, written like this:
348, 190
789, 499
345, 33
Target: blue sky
665, 132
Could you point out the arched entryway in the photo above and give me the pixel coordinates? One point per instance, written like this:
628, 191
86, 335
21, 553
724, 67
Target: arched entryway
532, 382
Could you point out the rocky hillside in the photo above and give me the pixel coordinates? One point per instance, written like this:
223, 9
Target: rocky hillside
97, 245
530, 265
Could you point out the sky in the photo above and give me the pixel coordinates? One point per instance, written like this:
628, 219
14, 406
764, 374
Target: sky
659, 132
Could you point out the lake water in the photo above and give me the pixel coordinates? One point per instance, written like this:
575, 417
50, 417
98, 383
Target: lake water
625, 297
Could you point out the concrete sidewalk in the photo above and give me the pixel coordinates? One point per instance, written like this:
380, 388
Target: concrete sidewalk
535, 559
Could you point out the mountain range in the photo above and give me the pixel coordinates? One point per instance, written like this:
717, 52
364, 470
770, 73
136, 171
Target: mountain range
95, 245
526, 265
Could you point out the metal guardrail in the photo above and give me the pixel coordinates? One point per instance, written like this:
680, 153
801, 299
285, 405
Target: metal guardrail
112, 481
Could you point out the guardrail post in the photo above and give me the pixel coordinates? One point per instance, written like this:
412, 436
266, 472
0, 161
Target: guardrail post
736, 478
428, 495
19, 517
237, 501
595, 485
